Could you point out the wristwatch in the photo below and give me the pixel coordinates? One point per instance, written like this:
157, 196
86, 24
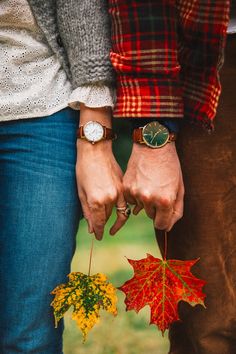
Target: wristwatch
94, 132
154, 135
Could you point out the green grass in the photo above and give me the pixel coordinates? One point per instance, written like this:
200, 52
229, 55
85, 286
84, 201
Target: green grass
128, 333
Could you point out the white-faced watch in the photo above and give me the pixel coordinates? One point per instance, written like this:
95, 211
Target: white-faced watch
94, 132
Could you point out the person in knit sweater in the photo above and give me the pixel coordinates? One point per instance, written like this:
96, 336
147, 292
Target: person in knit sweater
54, 61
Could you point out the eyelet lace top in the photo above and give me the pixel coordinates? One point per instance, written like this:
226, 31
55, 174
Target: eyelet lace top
32, 80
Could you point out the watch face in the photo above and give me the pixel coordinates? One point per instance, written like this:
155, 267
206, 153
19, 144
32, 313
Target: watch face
93, 131
155, 134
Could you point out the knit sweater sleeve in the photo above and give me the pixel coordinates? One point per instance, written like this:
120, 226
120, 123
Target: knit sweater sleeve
84, 27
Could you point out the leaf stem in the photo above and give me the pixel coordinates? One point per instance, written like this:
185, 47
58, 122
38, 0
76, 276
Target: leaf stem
165, 246
90, 256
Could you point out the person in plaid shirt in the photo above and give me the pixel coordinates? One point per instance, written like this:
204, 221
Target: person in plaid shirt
167, 56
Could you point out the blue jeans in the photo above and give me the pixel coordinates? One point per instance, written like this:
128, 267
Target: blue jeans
39, 218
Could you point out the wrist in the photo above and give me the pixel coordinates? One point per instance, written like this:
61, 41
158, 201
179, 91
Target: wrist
103, 145
142, 151
143, 147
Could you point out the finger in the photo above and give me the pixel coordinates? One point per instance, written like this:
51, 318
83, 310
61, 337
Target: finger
98, 219
137, 209
128, 197
90, 226
109, 208
119, 223
150, 210
164, 212
120, 218
86, 212
177, 209
118, 201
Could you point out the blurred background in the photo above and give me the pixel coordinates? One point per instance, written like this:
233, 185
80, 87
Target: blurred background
128, 333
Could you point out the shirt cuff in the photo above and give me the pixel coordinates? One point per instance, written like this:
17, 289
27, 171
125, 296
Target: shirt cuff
173, 125
93, 96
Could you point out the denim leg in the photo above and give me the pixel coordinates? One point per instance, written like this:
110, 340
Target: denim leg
39, 217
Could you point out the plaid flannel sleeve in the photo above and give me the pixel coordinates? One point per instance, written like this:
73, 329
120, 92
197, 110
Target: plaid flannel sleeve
167, 55
144, 55
202, 32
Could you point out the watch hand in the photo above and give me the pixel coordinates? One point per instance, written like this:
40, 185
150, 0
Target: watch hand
155, 135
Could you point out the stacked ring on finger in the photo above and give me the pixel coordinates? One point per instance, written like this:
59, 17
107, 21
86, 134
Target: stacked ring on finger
126, 210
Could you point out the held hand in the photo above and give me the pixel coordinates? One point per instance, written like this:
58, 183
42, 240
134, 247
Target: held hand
99, 177
153, 181
99, 181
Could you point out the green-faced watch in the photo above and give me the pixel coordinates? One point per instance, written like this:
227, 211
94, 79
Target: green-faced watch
154, 135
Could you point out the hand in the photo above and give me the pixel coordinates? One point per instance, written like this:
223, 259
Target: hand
153, 181
99, 178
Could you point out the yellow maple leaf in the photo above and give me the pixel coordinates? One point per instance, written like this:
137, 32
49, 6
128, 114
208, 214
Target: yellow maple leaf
87, 294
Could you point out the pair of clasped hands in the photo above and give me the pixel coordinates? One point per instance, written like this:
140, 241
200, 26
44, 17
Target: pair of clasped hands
153, 181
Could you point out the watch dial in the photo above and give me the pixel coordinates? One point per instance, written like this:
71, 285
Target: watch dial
93, 131
155, 134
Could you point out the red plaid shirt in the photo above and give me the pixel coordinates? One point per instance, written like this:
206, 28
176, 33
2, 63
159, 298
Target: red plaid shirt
167, 55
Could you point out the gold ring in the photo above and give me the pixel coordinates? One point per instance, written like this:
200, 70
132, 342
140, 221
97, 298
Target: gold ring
124, 210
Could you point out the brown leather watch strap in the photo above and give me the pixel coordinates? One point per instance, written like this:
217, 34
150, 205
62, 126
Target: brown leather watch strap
138, 136
172, 137
80, 132
108, 133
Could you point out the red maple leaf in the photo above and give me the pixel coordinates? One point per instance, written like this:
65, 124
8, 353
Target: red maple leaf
162, 284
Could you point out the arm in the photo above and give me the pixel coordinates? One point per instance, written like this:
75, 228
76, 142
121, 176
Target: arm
85, 30
99, 177
152, 65
144, 55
